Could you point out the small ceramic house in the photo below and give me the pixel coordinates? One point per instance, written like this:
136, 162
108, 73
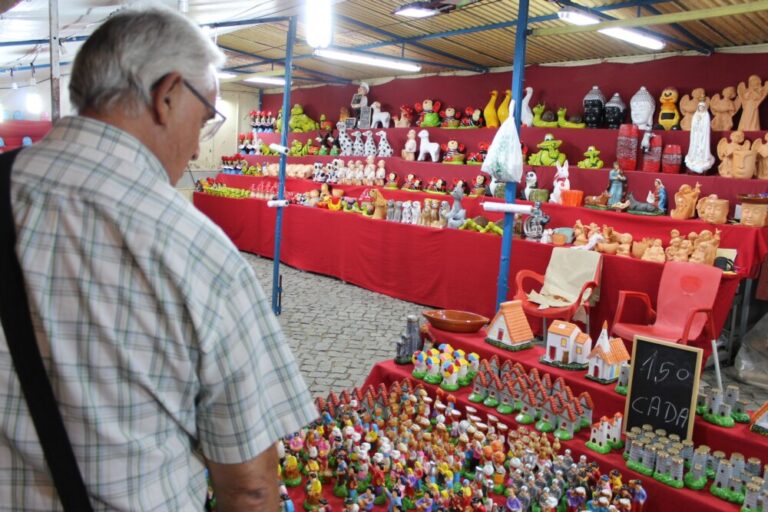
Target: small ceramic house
606, 434
509, 329
567, 347
567, 423
606, 358
759, 421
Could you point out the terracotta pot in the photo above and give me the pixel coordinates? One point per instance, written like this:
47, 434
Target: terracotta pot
572, 197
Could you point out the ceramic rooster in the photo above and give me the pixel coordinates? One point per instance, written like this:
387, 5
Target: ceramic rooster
489, 112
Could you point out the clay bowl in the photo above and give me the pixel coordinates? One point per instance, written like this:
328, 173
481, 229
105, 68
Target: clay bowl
452, 320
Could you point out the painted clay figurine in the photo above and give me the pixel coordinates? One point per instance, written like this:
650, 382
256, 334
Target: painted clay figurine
479, 187
760, 149
753, 214
660, 195
502, 113
449, 118
406, 117
712, 209
489, 112
723, 109
617, 186
360, 99
593, 159
378, 117
689, 104
615, 112
453, 152
531, 182
526, 114
699, 158
426, 147
560, 183
751, 95
669, 116
685, 201
737, 160
409, 150
428, 113
549, 153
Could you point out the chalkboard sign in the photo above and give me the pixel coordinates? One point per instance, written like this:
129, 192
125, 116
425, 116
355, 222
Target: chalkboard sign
663, 386
365, 118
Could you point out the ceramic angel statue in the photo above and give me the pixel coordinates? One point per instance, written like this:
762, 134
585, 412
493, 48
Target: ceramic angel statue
689, 105
760, 148
699, 158
751, 95
723, 109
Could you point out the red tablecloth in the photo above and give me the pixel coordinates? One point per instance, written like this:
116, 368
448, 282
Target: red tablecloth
440, 267
606, 400
751, 244
661, 498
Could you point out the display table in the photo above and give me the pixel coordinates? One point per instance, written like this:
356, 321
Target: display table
660, 497
607, 401
440, 267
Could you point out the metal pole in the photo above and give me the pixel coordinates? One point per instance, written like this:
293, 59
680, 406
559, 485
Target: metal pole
510, 189
53, 47
276, 287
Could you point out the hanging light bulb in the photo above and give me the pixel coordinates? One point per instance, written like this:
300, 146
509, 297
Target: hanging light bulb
14, 85
32, 79
34, 103
319, 23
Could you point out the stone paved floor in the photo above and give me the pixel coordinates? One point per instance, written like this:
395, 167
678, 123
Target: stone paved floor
338, 330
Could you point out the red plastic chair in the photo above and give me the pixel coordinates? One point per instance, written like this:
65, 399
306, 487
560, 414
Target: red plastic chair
553, 313
684, 303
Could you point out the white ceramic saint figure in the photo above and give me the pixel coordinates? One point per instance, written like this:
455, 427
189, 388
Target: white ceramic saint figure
699, 158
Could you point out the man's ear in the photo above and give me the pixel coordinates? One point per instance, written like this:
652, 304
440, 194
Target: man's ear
166, 95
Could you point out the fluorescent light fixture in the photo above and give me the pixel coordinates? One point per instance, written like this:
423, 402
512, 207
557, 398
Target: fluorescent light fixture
319, 23
269, 80
223, 75
633, 37
34, 103
358, 58
417, 10
577, 17
2, 113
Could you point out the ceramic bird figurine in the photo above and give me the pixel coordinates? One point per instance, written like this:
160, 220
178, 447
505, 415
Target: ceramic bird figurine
489, 112
526, 114
503, 110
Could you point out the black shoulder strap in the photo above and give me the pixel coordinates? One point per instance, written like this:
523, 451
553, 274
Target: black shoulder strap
17, 324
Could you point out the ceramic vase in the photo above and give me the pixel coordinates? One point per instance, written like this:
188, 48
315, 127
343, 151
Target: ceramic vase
672, 159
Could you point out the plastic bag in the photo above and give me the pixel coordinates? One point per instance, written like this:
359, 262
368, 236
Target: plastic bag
752, 360
504, 160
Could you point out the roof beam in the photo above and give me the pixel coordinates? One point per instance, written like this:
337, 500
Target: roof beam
503, 24
661, 19
704, 47
472, 66
319, 74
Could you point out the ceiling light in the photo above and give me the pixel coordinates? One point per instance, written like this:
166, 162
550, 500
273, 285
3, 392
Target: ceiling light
319, 23
575, 17
578, 17
359, 58
269, 80
417, 10
224, 75
633, 37
34, 103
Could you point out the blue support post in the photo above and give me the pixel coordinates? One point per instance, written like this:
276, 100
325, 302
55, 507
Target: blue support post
276, 285
510, 189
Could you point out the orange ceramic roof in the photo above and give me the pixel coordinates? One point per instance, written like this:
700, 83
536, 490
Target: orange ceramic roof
518, 329
563, 328
569, 412
587, 398
581, 338
617, 352
763, 410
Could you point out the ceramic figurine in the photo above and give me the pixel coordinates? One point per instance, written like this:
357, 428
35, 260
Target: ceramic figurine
479, 186
660, 195
533, 226
690, 104
478, 157
406, 117
526, 114
383, 150
300, 122
453, 152
593, 159
713, 209
669, 116
617, 185
560, 183
655, 252
409, 150
562, 344
642, 108
751, 95
345, 143
428, 148
358, 148
758, 423
415, 212
428, 113
392, 180
360, 99
594, 108
699, 158
456, 215
369, 148
543, 118
760, 149
489, 112
615, 112
685, 201
472, 118
378, 117
737, 160
723, 109
531, 182
548, 153
572, 122
449, 118
506, 106
672, 158
407, 213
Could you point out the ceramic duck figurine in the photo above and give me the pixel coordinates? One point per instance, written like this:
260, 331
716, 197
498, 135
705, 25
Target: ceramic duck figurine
489, 112
526, 114
503, 110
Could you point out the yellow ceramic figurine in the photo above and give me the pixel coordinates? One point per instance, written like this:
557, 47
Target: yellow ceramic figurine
669, 116
489, 112
503, 111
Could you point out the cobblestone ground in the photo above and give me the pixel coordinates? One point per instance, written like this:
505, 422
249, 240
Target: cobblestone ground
338, 331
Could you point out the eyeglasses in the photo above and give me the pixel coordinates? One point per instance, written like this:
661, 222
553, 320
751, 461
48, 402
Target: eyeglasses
217, 119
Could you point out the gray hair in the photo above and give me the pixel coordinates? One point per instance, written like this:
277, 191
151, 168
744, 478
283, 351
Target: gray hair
126, 56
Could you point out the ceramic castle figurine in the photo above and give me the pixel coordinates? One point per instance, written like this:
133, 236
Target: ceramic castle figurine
685, 201
751, 95
723, 109
690, 104
737, 160
712, 209
642, 107
699, 158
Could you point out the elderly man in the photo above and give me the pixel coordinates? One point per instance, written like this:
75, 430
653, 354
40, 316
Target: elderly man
162, 351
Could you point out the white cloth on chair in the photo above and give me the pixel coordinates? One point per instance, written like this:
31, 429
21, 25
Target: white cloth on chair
565, 276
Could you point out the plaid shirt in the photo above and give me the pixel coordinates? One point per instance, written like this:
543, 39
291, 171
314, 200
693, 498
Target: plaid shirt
156, 334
